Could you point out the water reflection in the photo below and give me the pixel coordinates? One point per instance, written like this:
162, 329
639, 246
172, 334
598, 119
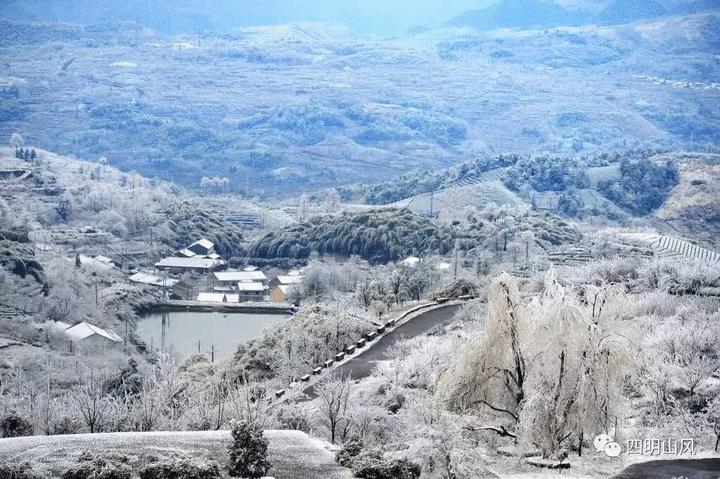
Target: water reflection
214, 333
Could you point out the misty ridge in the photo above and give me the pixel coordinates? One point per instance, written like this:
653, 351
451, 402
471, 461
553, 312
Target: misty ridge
291, 239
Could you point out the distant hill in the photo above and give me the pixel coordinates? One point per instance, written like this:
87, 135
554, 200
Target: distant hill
284, 109
546, 13
628, 11
696, 6
519, 14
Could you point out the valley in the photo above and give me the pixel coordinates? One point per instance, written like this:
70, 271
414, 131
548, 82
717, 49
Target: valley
363, 243
277, 111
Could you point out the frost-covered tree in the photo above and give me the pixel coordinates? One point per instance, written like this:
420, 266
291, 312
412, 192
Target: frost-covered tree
547, 370
334, 394
248, 452
91, 401
491, 372
574, 388
16, 140
332, 201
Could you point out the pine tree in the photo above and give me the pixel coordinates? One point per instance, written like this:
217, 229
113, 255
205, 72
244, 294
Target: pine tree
248, 452
77, 260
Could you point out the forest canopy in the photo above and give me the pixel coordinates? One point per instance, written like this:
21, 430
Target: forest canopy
378, 236
643, 185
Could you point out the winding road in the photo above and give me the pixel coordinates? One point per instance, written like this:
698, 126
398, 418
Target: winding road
707, 468
361, 365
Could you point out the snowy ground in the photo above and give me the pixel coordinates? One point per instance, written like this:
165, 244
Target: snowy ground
293, 454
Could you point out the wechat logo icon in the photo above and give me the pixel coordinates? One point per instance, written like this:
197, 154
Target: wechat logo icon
605, 443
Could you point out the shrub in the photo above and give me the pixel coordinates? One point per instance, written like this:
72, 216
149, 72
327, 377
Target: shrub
180, 469
13, 425
89, 466
17, 471
371, 465
349, 451
248, 452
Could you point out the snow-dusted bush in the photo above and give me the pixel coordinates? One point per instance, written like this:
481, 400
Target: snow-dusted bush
372, 465
13, 425
180, 469
248, 452
89, 466
17, 471
350, 450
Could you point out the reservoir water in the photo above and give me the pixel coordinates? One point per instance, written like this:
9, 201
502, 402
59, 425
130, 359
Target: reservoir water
180, 331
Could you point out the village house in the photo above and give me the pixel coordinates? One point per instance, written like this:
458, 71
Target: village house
217, 298
228, 280
252, 291
200, 249
195, 265
152, 280
181, 290
89, 335
283, 284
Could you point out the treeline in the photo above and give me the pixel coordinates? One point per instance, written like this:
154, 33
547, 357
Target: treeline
547, 173
188, 223
643, 186
377, 236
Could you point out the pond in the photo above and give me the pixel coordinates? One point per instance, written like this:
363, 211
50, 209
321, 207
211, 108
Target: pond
184, 333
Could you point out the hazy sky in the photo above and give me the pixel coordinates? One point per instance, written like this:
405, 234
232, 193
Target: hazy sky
376, 16
395, 15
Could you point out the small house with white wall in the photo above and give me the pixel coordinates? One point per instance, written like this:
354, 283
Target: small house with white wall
87, 334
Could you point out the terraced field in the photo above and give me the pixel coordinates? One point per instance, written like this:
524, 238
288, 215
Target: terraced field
592, 199
492, 175
478, 191
672, 247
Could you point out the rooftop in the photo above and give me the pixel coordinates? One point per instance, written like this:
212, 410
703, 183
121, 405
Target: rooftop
205, 243
85, 330
199, 263
287, 279
237, 276
151, 279
217, 298
250, 286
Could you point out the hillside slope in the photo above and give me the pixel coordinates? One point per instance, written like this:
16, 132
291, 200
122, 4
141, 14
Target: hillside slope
694, 204
293, 454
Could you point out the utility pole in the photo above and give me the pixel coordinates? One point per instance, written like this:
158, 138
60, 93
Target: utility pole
432, 203
456, 260
212, 353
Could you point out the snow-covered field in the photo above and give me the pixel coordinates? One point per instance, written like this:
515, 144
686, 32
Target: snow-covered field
293, 454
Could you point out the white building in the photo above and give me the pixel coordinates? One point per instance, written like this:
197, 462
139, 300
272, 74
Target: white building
90, 335
152, 280
217, 298
252, 291
189, 265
